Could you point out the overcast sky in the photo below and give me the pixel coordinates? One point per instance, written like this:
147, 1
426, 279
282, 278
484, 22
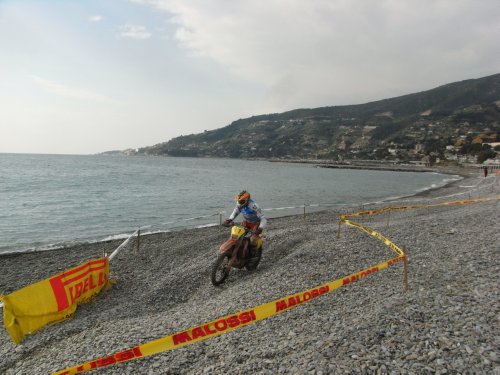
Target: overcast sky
82, 77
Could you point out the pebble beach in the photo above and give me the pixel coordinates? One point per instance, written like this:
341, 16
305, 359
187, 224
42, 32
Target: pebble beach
446, 322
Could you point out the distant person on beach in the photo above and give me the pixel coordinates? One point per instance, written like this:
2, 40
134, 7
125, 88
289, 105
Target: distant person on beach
485, 171
252, 215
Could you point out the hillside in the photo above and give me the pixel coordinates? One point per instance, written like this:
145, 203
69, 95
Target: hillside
405, 128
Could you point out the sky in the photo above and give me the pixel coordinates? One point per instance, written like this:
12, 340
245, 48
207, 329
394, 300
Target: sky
88, 76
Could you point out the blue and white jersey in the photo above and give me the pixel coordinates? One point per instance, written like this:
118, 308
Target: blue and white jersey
251, 213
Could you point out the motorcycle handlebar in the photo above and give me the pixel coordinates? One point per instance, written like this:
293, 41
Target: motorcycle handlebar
229, 225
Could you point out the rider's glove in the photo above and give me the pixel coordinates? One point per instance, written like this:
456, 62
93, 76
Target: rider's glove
258, 231
228, 221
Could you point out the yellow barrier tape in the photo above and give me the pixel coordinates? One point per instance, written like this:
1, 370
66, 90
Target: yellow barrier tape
344, 218
227, 323
377, 235
411, 207
246, 317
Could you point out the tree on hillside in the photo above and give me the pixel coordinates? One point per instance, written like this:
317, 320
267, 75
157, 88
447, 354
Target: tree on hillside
486, 153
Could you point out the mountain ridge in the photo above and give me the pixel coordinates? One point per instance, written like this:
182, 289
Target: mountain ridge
415, 125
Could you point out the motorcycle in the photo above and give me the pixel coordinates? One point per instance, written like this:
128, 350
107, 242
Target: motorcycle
236, 252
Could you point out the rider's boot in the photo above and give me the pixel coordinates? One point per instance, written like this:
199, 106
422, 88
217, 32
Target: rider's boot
252, 249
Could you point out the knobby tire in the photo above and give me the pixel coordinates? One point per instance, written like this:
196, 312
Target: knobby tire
219, 269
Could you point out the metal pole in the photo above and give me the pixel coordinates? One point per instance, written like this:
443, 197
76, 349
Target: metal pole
338, 232
388, 218
304, 211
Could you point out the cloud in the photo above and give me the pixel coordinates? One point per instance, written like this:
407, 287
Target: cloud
134, 32
96, 18
340, 51
62, 90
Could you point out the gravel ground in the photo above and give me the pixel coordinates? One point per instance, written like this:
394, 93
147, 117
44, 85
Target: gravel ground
446, 323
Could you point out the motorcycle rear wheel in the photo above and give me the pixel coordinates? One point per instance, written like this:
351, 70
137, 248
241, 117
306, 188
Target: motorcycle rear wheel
220, 270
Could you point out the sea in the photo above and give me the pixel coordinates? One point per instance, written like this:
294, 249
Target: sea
52, 201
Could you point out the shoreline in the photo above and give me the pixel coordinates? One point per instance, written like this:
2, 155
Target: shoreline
463, 172
98, 248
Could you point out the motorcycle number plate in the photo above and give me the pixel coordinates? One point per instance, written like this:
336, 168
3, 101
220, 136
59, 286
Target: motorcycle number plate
237, 231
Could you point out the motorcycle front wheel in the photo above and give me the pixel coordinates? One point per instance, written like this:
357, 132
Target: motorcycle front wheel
220, 269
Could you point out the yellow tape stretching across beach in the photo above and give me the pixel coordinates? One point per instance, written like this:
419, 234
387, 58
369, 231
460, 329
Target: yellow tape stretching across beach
249, 316
226, 323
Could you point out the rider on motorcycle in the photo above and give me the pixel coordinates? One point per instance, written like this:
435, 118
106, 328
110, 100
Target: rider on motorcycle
252, 216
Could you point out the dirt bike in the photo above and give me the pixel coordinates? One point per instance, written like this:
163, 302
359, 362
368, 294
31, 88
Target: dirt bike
236, 252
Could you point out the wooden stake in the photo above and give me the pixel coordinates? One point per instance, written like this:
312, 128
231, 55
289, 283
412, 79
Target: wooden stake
405, 277
138, 240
